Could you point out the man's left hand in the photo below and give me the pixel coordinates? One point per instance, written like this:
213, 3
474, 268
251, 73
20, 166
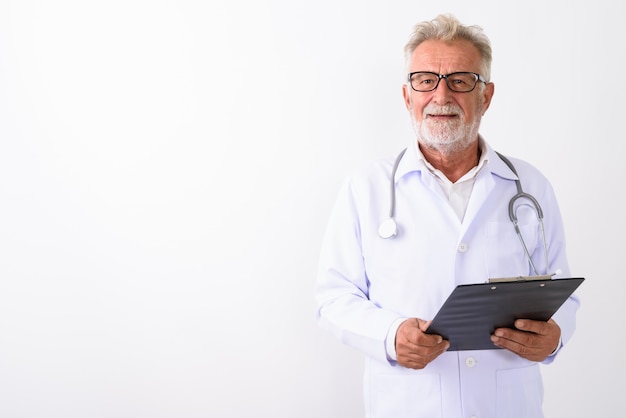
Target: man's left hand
532, 340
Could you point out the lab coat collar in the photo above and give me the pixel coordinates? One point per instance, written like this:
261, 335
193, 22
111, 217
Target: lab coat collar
412, 162
499, 167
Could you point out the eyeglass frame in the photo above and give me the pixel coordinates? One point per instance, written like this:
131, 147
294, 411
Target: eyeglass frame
440, 76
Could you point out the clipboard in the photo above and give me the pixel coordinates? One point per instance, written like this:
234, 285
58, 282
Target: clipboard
472, 312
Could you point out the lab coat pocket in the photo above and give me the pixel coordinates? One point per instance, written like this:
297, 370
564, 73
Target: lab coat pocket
505, 254
404, 396
520, 393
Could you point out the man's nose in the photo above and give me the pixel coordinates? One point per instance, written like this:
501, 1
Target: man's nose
442, 92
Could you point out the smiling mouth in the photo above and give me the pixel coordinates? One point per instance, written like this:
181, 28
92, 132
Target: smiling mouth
442, 116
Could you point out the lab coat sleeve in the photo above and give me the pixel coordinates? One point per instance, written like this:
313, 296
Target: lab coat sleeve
342, 287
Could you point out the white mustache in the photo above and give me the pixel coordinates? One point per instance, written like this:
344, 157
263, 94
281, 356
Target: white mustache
442, 110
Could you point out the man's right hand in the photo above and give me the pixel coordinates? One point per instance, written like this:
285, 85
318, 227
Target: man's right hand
414, 348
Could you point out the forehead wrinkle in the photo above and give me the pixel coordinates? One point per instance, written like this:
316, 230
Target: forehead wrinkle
445, 57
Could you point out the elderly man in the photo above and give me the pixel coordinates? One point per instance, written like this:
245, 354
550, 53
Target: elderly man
380, 282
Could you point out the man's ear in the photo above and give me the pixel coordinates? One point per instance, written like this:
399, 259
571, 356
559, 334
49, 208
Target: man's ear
487, 96
406, 93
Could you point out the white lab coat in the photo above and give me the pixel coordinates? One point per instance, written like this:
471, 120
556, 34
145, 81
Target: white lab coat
365, 283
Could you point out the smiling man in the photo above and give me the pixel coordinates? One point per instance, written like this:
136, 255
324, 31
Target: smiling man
446, 123
383, 276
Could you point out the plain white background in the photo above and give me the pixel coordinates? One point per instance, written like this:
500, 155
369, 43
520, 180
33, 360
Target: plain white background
167, 169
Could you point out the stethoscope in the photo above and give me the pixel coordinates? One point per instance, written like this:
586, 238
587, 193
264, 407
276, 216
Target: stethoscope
388, 228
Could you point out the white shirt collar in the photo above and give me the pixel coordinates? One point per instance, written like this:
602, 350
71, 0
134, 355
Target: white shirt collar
482, 161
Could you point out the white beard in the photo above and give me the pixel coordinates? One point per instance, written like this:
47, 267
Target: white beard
447, 137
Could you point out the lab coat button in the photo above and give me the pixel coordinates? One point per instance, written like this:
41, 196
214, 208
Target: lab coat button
462, 247
470, 362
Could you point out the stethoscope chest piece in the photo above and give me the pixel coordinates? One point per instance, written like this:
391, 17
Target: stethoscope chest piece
388, 228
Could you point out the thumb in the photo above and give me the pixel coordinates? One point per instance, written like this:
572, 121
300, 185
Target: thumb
422, 324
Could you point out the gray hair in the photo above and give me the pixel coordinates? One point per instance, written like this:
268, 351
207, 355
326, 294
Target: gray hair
447, 28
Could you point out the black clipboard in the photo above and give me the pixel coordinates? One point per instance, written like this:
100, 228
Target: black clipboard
472, 312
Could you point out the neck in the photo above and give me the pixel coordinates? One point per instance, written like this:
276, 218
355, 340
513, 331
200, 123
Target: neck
455, 164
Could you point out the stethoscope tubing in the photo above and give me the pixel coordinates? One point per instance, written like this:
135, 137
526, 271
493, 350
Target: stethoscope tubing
513, 216
388, 228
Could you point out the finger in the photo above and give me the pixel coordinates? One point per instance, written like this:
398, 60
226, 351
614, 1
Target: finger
506, 343
423, 339
420, 356
537, 327
429, 340
510, 338
524, 344
517, 346
423, 325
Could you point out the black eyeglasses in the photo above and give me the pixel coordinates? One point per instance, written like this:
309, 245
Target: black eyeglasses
461, 82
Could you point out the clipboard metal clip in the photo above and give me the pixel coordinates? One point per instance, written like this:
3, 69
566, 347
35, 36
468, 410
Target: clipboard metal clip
521, 278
